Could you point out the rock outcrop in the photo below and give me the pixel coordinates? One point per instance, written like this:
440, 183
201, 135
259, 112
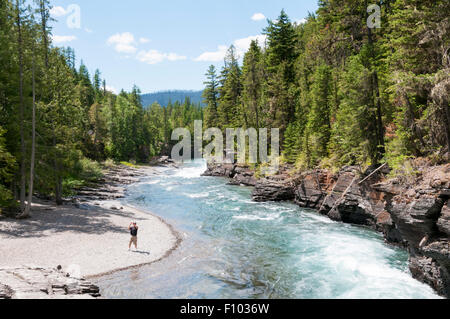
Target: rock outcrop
312, 188
239, 174
243, 175
419, 211
163, 161
39, 283
273, 190
353, 200
346, 196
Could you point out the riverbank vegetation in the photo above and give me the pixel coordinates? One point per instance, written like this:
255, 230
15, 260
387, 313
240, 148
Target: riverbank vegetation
341, 92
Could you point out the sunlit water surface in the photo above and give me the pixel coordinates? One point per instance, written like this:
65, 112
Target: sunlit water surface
235, 248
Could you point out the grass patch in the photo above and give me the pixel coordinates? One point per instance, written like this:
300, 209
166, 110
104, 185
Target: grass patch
132, 165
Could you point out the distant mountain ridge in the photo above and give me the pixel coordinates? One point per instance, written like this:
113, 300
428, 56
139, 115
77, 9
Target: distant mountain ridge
163, 97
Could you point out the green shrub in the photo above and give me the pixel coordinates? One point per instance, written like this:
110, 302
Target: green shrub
88, 170
84, 172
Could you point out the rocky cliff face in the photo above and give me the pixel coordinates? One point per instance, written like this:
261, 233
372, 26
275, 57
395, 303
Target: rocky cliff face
420, 213
414, 215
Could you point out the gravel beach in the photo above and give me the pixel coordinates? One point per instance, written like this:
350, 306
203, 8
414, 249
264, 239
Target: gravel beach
90, 239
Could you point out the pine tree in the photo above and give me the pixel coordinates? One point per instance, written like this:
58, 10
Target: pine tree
280, 80
319, 126
229, 109
354, 138
210, 95
252, 78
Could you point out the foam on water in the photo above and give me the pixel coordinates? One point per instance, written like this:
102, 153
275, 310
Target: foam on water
253, 217
236, 248
200, 195
192, 170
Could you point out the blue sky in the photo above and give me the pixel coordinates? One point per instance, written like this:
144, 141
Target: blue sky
162, 45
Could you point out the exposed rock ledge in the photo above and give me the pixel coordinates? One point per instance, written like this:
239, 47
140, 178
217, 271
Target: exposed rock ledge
415, 215
39, 283
239, 174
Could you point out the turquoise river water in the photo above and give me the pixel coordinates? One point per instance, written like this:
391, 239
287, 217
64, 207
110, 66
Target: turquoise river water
235, 248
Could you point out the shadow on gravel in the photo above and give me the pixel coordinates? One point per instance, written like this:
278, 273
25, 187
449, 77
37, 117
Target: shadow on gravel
141, 252
48, 218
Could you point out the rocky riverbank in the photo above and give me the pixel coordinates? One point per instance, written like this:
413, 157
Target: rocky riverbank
411, 213
39, 283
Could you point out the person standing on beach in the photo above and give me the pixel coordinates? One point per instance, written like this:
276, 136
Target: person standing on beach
133, 228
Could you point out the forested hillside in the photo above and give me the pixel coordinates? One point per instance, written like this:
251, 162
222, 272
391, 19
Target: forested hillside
165, 98
56, 121
341, 92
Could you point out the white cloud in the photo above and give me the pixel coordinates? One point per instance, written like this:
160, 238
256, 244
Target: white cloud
123, 42
58, 11
111, 89
63, 38
126, 43
258, 17
301, 21
144, 40
175, 57
213, 56
154, 57
88, 30
241, 45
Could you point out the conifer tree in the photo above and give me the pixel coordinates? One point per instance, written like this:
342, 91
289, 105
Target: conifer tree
210, 96
230, 92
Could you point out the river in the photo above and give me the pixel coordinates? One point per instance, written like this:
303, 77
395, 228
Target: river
235, 248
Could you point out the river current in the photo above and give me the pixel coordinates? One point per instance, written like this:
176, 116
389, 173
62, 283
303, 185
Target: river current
235, 248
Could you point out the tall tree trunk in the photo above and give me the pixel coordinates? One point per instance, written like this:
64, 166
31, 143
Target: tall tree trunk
44, 18
56, 166
58, 193
58, 180
33, 145
21, 109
